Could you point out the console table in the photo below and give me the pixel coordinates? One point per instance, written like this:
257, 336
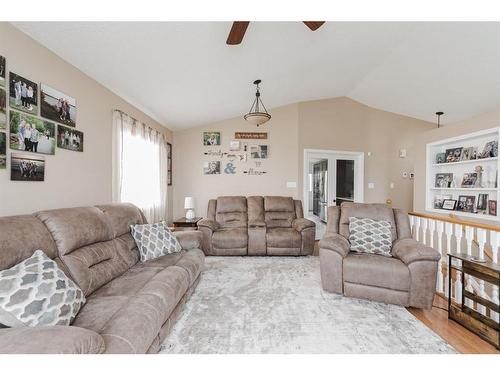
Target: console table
473, 320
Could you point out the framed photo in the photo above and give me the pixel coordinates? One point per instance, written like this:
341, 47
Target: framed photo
490, 150
211, 167
69, 139
3, 109
211, 138
482, 202
23, 94
2, 71
492, 207
57, 106
27, 168
474, 154
3, 150
440, 158
443, 180
234, 146
466, 153
449, 204
469, 180
466, 203
439, 200
258, 151
169, 164
32, 134
453, 154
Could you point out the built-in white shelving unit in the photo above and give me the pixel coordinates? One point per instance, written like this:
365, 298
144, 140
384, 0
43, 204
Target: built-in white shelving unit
454, 171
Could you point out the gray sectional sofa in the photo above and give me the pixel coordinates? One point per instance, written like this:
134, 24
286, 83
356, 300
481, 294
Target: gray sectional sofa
256, 226
131, 306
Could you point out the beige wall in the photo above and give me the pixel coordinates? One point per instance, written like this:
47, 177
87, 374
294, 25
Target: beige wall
71, 178
484, 121
334, 124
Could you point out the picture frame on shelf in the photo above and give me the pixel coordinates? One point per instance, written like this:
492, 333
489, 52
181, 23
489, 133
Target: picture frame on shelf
2, 71
492, 207
490, 150
443, 180
449, 204
440, 158
439, 200
453, 154
466, 203
466, 153
482, 202
469, 180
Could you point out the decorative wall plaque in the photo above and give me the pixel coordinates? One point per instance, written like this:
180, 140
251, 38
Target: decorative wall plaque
250, 135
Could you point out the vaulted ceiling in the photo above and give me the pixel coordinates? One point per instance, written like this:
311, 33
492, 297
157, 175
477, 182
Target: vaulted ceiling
183, 74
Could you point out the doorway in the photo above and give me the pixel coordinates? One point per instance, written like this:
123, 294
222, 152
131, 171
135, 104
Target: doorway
330, 178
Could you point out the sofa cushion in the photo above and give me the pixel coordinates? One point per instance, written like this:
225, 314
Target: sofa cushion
232, 212
376, 270
283, 237
121, 216
233, 238
154, 241
370, 236
375, 211
279, 212
37, 293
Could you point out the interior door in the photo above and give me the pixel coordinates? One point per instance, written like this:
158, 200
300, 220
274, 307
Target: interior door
343, 181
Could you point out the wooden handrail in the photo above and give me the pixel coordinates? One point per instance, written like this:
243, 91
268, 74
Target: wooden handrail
453, 219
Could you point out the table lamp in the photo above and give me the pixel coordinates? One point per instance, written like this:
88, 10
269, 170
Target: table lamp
189, 205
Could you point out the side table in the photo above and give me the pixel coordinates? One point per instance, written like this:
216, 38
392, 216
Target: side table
186, 224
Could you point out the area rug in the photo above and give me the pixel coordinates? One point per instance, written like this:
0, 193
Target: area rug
276, 305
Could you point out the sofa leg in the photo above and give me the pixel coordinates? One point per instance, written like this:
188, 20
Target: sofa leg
330, 265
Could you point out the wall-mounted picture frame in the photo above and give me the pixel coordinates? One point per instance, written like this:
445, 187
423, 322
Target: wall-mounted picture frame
23, 94
259, 151
492, 207
27, 167
3, 150
234, 146
31, 134
169, 164
443, 180
440, 158
69, 138
3, 69
466, 203
211, 167
3, 109
453, 154
211, 139
57, 106
449, 204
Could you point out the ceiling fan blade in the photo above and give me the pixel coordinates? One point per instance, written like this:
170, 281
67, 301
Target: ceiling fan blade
314, 25
237, 32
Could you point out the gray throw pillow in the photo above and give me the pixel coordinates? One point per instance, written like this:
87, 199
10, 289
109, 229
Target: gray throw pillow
37, 293
154, 240
370, 236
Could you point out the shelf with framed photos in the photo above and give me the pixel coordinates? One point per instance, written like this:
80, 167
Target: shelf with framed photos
462, 175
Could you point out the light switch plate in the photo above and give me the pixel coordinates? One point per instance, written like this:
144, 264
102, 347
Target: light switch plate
371, 185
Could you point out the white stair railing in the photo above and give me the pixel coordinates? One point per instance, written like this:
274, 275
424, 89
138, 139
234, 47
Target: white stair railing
457, 236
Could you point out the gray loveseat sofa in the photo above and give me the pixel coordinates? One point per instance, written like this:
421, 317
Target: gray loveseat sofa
131, 306
407, 278
256, 226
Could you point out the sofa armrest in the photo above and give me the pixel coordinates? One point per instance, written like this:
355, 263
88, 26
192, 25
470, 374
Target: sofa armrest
300, 224
207, 223
189, 239
256, 224
50, 340
335, 242
409, 250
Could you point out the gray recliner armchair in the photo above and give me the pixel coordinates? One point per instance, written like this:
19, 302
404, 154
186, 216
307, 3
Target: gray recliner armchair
408, 278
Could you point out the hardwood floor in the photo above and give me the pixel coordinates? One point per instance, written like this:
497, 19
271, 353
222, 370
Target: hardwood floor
460, 338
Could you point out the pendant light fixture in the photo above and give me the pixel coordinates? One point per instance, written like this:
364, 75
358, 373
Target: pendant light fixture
439, 114
258, 113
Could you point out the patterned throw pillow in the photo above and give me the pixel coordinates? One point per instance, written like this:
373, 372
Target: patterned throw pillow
370, 236
154, 240
37, 293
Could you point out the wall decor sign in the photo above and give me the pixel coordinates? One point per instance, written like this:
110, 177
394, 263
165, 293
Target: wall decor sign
27, 168
69, 139
230, 168
259, 151
449, 204
250, 135
23, 94
211, 138
216, 153
30, 133
2, 71
57, 106
3, 150
3, 109
211, 167
253, 172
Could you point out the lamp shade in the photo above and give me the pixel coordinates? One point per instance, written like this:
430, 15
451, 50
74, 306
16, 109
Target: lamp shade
188, 203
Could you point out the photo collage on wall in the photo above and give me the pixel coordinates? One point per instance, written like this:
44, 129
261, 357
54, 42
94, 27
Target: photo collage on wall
38, 118
239, 157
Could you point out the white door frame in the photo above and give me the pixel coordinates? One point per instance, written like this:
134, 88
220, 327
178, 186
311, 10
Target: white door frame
359, 194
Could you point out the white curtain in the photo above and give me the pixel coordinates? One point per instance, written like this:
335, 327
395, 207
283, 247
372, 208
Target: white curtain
139, 166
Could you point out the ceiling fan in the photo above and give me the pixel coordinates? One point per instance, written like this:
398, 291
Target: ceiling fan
240, 27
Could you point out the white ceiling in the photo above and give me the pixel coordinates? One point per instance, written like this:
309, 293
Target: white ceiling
183, 74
